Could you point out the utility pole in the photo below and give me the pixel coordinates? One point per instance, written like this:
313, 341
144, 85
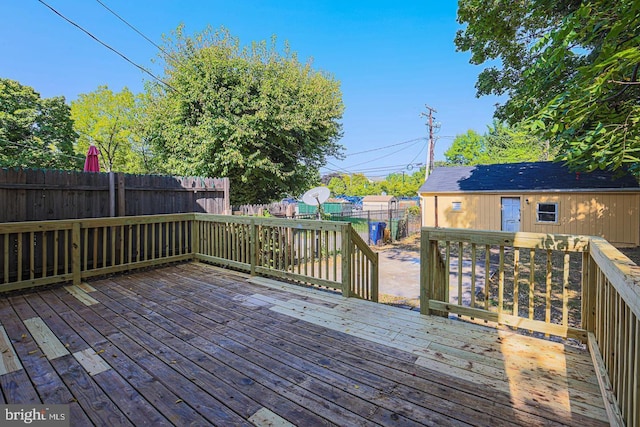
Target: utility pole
432, 143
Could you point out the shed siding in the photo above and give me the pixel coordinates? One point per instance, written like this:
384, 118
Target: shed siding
614, 216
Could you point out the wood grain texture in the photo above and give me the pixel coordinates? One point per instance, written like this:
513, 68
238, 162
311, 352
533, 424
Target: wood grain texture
195, 344
9, 361
47, 341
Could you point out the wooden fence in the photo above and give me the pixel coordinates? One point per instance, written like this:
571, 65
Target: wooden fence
44, 195
321, 253
569, 286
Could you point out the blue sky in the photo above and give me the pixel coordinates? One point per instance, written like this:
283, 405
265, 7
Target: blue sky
391, 58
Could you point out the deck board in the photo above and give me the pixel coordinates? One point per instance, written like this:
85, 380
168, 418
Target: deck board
197, 344
541, 395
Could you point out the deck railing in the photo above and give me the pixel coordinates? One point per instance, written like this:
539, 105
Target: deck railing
323, 253
568, 286
613, 321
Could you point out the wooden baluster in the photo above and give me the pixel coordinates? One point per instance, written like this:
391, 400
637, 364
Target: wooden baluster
473, 275
44, 253
501, 281
516, 280
32, 250
460, 261
56, 255
19, 257
487, 276
565, 289
547, 301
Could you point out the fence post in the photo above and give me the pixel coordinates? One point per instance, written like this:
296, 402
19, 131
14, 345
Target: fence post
112, 194
346, 259
425, 272
121, 195
253, 246
76, 263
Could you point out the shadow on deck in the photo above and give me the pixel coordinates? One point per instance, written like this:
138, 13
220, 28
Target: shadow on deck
192, 344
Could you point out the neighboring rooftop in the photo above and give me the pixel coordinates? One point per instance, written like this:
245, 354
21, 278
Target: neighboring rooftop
527, 176
378, 198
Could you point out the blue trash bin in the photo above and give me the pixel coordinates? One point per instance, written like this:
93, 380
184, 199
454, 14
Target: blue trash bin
376, 231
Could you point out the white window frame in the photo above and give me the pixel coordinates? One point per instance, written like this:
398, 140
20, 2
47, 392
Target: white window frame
456, 206
556, 213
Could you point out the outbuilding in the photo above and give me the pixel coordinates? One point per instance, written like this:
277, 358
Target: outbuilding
542, 197
379, 203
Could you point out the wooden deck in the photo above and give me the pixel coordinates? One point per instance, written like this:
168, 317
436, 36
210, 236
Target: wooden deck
193, 344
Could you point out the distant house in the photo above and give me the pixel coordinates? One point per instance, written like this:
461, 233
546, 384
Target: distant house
379, 203
540, 197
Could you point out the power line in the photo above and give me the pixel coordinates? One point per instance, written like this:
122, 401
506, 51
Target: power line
415, 141
384, 168
337, 170
45, 150
392, 168
385, 147
140, 67
136, 30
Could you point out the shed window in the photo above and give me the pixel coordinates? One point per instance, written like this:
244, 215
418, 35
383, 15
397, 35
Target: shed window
547, 212
456, 206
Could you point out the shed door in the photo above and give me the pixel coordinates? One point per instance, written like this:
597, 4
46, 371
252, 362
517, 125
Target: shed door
510, 207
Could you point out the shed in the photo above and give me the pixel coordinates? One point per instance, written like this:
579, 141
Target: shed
331, 206
379, 203
543, 197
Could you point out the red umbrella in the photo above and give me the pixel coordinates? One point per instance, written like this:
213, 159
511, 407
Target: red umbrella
91, 163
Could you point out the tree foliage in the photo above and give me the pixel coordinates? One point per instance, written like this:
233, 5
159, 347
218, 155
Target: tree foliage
569, 69
111, 121
34, 131
396, 184
500, 144
253, 114
467, 149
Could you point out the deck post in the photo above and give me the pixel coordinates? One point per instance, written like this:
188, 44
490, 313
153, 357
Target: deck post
346, 259
76, 265
195, 238
253, 246
589, 273
425, 273
375, 288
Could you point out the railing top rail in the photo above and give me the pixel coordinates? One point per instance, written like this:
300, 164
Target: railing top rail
559, 242
130, 220
309, 224
27, 226
621, 272
67, 224
362, 246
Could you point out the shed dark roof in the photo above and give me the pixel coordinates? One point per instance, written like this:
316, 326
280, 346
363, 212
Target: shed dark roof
531, 176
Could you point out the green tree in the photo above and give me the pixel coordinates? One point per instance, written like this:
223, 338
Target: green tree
338, 186
396, 184
568, 68
500, 144
35, 132
111, 121
403, 184
505, 144
467, 149
253, 114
